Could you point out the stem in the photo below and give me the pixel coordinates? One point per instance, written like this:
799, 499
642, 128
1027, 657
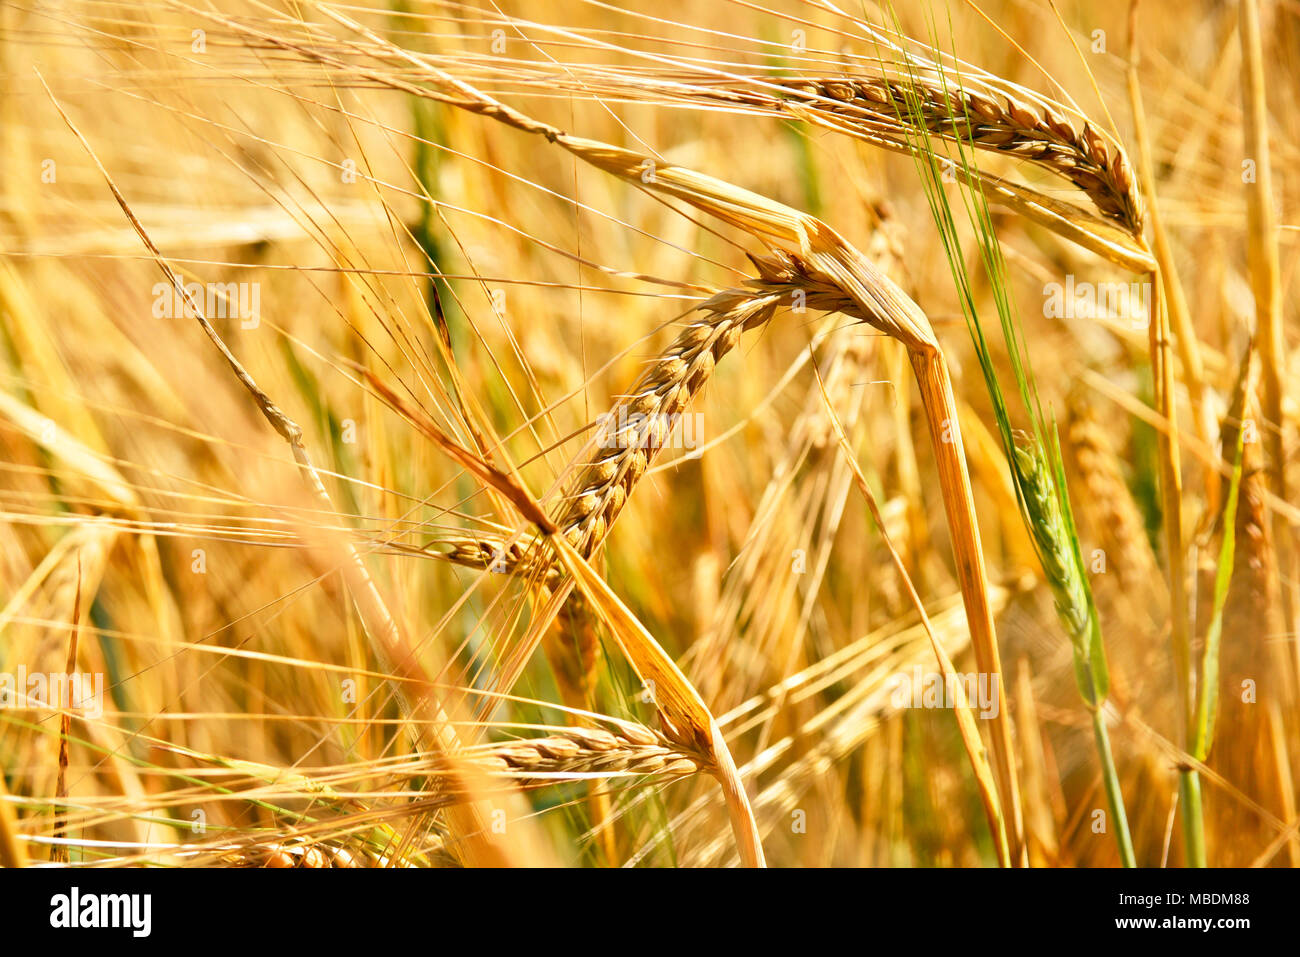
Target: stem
1166, 282
935, 388
1114, 796
1167, 296
1189, 793
1265, 277
12, 852
961, 706
1262, 248
1180, 315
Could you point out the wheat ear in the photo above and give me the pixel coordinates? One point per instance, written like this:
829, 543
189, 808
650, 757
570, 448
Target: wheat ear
1041, 132
309, 855
1117, 517
625, 751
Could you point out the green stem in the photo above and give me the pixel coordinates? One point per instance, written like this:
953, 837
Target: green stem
1189, 794
1114, 796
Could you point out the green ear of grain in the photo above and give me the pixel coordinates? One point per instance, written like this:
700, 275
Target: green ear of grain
1051, 526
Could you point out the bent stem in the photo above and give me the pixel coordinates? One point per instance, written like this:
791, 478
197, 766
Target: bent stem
961, 705
935, 387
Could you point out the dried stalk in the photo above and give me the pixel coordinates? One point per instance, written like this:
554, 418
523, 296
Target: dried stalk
1162, 374
1265, 277
968, 730
12, 852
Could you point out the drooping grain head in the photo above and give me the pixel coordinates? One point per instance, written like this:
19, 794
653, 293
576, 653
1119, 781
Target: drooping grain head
990, 120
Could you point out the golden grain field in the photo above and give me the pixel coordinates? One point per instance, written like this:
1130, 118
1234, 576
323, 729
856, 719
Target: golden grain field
502, 433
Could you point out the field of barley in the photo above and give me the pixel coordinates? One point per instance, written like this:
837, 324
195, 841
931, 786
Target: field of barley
692, 433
